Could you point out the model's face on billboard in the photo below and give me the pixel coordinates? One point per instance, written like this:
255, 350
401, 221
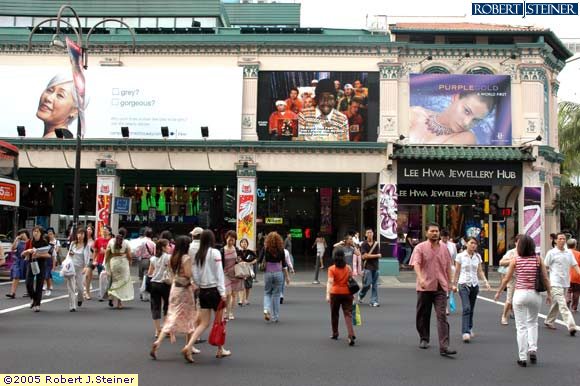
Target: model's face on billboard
464, 113
56, 106
326, 102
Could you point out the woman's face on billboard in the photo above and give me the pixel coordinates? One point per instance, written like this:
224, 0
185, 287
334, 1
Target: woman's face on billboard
464, 113
56, 106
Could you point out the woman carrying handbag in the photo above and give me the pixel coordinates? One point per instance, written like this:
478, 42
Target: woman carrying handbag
339, 293
208, 276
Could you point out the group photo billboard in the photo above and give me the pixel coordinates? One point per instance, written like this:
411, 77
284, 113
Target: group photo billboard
460, 110
142, 99
345, 109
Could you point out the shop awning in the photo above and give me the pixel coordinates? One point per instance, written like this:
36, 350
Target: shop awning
462, 153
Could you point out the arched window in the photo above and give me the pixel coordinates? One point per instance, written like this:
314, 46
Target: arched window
479, 70
436, 70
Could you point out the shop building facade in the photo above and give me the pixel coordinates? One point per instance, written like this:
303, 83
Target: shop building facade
257, 177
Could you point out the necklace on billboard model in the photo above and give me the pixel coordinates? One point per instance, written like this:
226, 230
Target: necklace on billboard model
437, 128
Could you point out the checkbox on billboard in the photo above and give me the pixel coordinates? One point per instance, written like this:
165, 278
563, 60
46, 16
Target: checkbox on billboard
115, 102
115, 91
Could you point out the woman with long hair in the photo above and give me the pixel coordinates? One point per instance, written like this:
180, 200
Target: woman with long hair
527, 300
79, 253
181, 312
467, 267
276, 273
117, 259
230, 257
38, 252
88, 271
160, 285
208, 276
338, 295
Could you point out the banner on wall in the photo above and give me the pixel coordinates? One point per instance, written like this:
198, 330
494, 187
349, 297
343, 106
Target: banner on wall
287, 106
533, 215
142, 99
326, 211
246, 213
105, 186
460, 109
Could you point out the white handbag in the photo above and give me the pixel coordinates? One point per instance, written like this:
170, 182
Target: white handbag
68, 268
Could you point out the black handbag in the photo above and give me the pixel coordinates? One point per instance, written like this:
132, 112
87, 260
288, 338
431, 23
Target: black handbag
353, 286
540, 285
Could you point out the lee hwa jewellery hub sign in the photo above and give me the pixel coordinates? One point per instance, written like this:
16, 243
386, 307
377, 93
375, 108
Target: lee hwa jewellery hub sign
456, 173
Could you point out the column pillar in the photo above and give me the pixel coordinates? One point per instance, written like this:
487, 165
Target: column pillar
387, 208
107, 188
389, 101
246, 203
250, 100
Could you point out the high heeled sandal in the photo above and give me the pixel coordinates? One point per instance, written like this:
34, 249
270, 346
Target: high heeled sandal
153, 352
187, 355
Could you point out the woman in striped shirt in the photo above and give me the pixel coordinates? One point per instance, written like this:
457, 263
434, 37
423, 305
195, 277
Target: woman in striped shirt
527, 301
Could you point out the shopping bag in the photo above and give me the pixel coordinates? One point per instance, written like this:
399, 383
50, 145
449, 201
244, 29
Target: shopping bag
103, 284
452, 304
68, 268
356, 318
217, 335
57, 279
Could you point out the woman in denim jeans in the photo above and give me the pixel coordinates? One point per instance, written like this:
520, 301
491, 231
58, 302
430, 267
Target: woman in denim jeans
276, 273
467, 268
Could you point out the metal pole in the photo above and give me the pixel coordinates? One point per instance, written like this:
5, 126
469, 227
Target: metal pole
15, 218
77, 177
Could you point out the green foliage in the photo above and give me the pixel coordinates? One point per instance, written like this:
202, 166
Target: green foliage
568, 202
569, 138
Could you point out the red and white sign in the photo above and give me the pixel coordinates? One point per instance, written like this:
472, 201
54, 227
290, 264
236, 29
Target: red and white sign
104, 201
246, 213
9, 192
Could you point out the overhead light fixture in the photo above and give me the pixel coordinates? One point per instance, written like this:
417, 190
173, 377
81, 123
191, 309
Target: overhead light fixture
511, 57
29, 185
278, 189
538, 138
204, 132
125, 135
125, 131
87, 185
304, 189
56, 42
214, 188
164, 131
338, 190
21, 131
317, 189
266, 189
429, 57
290, 189
348, 190
357, 190
52, 186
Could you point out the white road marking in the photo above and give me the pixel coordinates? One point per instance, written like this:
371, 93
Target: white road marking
540, 315
23, 306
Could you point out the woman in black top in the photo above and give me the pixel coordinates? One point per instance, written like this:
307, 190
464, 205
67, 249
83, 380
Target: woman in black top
276, 272
248, 256
40, 251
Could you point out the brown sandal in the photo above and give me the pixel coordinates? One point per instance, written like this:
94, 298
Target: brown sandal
187, 355
153, 352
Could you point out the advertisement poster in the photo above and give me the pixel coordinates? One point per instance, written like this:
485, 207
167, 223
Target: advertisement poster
104, 196
326, 211
287, 105
9, 192
533, 215
76, 57
142, 99
388, 211
246, 213
460, 110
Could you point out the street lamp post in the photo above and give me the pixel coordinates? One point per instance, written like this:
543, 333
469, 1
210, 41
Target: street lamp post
57, 42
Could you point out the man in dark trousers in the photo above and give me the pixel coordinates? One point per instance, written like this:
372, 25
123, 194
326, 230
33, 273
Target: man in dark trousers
430, 260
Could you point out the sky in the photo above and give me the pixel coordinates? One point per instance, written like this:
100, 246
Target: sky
357, 14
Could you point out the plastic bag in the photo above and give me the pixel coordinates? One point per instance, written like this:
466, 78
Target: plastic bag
452, 304
68, 268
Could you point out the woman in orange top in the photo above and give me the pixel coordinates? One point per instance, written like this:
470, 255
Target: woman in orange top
338, 295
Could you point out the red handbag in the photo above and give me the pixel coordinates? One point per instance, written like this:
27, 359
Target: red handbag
217, 336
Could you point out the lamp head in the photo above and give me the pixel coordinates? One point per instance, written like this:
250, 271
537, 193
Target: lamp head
164, 131
125, 132
21, 131
56, 42
204, 131
539, 138
401, 137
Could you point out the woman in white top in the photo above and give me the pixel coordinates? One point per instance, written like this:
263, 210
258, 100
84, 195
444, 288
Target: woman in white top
80, 254
160, 283
208, 276
117, 259
320, 244
467, 267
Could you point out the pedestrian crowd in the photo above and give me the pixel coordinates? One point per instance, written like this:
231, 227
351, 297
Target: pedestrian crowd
187, 280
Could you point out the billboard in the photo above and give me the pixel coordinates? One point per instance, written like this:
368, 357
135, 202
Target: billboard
533, 218
143, 99
460, 110
288, 111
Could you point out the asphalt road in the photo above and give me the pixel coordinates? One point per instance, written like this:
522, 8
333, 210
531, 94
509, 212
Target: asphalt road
296, 351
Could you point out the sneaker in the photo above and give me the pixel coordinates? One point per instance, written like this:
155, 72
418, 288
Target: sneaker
533, 356
572, 331
281, 300
47, 293
375, 304
424, 344
466, 338
522, 363
447, 352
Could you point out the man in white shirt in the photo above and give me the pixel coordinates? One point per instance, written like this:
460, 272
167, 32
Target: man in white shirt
559, 261
194, 246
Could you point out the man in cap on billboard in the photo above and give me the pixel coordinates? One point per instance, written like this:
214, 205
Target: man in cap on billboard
323, 122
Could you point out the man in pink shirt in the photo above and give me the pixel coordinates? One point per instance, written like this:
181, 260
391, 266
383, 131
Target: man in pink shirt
430, 260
